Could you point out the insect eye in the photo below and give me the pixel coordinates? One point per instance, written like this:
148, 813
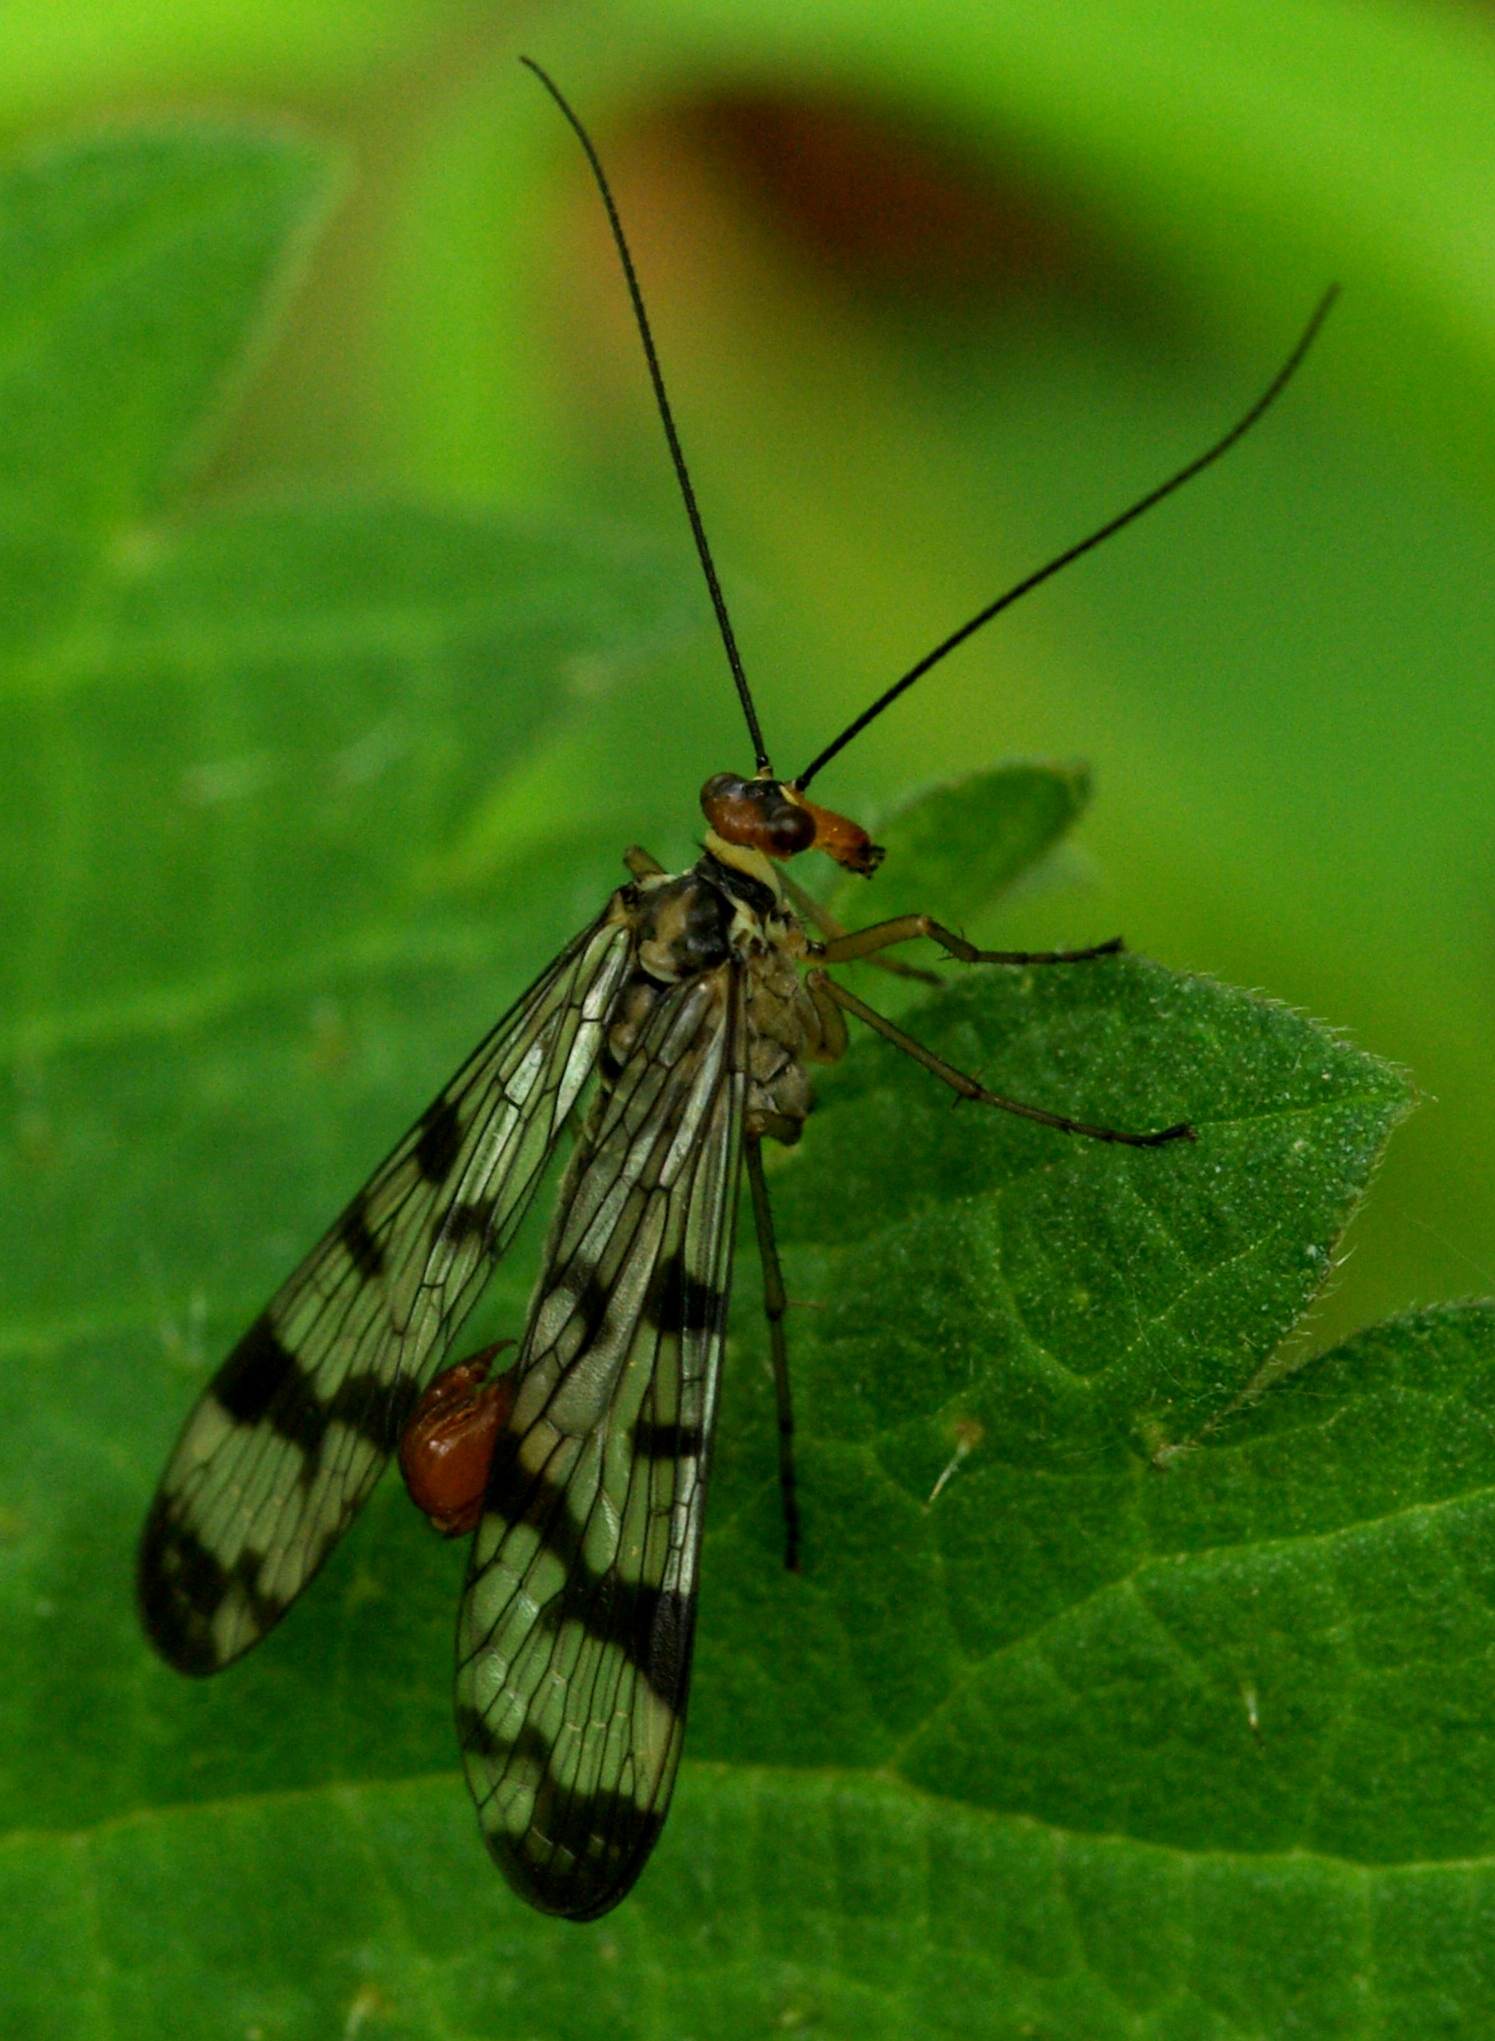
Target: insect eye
789, 829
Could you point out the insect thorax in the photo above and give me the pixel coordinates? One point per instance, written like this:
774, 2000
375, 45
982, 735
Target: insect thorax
718, 920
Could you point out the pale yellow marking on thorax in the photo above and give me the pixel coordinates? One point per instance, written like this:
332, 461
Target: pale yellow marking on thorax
755, 863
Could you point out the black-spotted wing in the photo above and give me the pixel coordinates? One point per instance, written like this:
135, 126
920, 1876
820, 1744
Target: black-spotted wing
288, 1439
574, 1638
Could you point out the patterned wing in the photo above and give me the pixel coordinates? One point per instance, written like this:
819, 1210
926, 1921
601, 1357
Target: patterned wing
288, 1439
574, 1638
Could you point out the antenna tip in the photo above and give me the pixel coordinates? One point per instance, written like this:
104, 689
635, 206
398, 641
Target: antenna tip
542, 74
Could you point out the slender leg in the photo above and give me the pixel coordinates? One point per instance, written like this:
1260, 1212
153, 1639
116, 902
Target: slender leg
640, 863
809, 909
967, 1087
775, 1304
907, 928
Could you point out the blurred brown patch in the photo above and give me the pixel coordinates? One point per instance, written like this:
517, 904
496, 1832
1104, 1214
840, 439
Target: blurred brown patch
883, 205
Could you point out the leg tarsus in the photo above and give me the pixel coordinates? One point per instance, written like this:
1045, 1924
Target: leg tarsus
968, 1087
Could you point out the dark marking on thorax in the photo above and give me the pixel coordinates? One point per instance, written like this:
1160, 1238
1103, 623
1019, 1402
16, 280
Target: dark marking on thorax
684, 928
739, 886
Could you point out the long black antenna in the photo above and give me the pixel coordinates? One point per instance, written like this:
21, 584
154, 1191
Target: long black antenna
666, 416
1242, 425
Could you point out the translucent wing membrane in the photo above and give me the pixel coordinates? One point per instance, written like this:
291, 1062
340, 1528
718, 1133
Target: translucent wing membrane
574, 1639
287, 1441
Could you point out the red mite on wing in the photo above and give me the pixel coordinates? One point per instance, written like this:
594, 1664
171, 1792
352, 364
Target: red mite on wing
675, 1031
446, 1448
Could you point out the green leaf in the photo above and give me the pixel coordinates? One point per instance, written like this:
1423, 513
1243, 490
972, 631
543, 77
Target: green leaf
1136, 1683
138, 267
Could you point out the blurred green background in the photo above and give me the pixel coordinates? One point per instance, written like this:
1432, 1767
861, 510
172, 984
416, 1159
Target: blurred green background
937, 290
